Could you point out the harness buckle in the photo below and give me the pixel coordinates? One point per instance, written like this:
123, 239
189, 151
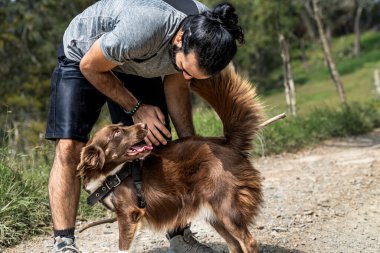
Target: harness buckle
113, 186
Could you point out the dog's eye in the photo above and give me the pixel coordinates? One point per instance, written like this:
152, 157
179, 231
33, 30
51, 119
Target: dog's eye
117, 132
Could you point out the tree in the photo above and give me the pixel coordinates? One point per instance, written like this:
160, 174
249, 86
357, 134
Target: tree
360, 6
327, 53
30, 33
290, 93
358, 13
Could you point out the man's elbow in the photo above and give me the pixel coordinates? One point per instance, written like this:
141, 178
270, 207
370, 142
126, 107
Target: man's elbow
85, 66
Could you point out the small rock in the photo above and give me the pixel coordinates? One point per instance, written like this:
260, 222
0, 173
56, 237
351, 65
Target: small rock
280, 229
308, 212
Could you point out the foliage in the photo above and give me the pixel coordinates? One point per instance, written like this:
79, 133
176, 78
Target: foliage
23, 203
24, 206
207, 122
87, 212
30, 33
294, 134
314, 87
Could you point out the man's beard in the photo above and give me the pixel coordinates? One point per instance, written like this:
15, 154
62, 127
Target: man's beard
173, 50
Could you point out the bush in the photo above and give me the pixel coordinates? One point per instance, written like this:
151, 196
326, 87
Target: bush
23, 205
292, 134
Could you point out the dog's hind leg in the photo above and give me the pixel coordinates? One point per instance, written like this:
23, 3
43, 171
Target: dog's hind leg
233, 222
232, 243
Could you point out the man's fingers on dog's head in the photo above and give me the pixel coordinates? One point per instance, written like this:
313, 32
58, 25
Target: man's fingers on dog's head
160, 115
158, 136
147, 141
163, 130
152, 138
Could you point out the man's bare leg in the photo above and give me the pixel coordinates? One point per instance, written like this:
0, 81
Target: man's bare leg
64, 185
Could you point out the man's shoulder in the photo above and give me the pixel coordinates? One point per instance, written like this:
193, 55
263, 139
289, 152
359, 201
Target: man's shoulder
201, 7
187, 7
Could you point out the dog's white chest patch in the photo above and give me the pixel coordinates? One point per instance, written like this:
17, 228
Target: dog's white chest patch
94, 184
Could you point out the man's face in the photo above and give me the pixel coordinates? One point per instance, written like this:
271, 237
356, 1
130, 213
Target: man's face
187, 64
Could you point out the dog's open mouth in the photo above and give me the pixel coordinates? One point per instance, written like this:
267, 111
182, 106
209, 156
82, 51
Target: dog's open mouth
139, 148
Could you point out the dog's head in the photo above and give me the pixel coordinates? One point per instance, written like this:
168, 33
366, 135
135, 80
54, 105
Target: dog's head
111, 146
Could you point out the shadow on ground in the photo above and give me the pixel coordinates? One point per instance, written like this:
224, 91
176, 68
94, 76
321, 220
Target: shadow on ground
222, 248
265, 248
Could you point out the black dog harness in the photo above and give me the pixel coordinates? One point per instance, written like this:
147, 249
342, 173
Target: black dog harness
129, 169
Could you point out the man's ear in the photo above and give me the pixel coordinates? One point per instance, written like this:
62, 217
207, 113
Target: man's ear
92, 157
178, 38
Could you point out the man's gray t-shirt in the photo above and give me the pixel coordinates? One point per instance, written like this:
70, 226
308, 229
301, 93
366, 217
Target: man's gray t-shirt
135, 34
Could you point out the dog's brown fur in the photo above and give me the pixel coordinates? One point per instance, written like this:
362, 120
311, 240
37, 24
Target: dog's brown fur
191, 173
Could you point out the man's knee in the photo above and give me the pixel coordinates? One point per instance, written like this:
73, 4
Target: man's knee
67, 152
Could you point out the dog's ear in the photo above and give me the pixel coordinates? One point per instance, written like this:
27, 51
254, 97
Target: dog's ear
91, 157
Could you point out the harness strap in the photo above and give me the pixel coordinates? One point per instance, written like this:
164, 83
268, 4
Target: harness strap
137, 182
109, 184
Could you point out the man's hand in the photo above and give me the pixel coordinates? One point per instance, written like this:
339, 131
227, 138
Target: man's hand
155, 120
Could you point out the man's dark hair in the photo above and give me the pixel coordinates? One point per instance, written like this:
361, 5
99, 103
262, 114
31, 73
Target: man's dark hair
212, 36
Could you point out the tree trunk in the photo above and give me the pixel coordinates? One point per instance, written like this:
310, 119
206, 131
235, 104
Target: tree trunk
326, 50
304, 60
376, 82
356, 49
290, 93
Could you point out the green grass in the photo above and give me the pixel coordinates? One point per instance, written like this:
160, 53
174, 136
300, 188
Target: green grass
23, 202
207, 122
314, 87
294, 134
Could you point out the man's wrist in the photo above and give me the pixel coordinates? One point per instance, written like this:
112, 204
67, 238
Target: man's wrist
134, 109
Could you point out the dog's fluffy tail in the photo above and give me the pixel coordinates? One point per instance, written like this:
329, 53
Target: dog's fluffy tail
235, 101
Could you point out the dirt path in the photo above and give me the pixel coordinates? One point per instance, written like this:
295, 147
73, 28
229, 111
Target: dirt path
325, 199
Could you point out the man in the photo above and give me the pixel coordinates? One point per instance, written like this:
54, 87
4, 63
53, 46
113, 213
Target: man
137, 56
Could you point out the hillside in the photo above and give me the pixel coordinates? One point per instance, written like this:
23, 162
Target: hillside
315, 89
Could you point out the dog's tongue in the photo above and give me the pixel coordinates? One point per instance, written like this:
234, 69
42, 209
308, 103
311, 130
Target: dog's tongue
141, 147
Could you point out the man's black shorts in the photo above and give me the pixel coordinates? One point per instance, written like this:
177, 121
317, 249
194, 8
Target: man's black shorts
75, 104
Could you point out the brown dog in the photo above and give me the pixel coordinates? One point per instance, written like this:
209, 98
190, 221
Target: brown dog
187, 176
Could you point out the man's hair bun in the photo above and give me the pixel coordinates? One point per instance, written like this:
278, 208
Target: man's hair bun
224, 13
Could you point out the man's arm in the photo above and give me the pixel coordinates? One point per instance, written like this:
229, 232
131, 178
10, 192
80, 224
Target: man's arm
177, 92
97, 70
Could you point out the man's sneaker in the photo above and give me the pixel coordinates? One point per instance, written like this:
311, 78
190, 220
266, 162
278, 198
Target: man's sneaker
187, 243
65, 245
